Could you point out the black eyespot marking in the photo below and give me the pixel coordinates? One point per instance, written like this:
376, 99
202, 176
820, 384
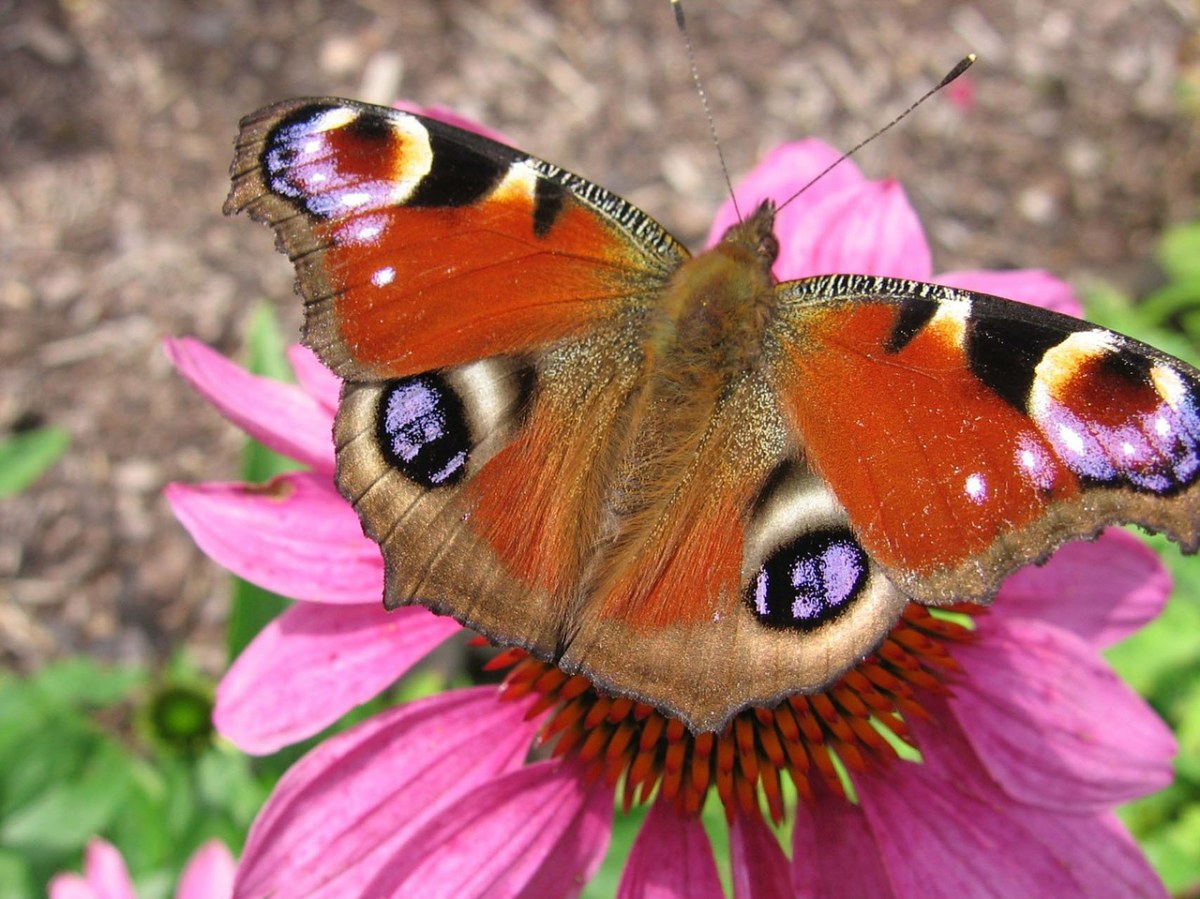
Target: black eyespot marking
462, 173
914, 315
1004, 353
371, 129
809, 581
423, 430
1128, 365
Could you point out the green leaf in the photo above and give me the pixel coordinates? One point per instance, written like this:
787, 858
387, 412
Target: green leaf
1179, 252
25, 456
73, 808
1174, 850
80, 682
16, 878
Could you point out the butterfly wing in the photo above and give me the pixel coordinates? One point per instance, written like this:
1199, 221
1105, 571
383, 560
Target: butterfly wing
420, 246
487, 310
992, 433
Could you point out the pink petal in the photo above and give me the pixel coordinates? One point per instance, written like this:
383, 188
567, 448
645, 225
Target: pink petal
105, 876
866, 229
833, 853
339, 815
924, 816
295, 536
1052, 722
1032, 286
314, 378
1103, 591
279, 416
209, 873
106, 870
70, 886
541, 830
671, 859
760, 869
313, 664
782, 172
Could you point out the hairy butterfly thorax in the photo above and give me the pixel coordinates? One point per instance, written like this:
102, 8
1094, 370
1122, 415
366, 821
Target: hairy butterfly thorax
699, 487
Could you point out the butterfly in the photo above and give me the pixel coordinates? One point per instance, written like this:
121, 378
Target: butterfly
702, 489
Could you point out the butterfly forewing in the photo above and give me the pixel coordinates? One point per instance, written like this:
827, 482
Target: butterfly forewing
998, 430
420, 246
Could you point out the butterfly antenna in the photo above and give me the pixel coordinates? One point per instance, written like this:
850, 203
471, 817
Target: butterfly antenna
963, 64
677, 5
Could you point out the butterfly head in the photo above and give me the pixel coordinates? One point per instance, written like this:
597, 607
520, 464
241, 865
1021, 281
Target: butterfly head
757, 234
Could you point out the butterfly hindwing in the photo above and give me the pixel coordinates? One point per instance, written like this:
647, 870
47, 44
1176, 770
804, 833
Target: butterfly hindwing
997, 431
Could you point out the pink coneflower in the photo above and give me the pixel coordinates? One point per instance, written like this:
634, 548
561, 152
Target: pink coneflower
208, 875
972, 755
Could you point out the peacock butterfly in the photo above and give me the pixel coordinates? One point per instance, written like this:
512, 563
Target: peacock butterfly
701, 488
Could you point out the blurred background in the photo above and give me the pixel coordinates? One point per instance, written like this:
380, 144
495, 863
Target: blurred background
1071, 146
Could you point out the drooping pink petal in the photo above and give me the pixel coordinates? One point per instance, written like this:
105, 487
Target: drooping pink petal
209, 873
1052, 722
939, 842
671, 859
541, 830
1032, 286
1103, 591
760, 869
104, 876
781, 173
295, 536
314, 663
344, 810
280, 416
833, 853
866, 229
944, 829
314, 378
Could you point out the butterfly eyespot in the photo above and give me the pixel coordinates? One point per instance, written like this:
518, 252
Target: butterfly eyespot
809, 581
423, 430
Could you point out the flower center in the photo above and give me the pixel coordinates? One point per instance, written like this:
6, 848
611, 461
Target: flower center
856, 723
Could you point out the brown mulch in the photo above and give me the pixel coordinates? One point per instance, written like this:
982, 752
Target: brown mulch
116, 123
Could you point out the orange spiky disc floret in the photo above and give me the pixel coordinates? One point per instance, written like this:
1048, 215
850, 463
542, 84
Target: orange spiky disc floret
632, 745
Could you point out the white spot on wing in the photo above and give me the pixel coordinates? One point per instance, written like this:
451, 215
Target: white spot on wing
332, 119
414, 157
1169, 385
950, 320
976, 488
1071, 440
520, 183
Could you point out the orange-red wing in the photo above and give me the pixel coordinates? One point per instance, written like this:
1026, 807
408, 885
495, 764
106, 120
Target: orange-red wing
966, 435
419, 245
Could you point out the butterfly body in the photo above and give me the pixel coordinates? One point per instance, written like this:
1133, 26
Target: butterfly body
700, 487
